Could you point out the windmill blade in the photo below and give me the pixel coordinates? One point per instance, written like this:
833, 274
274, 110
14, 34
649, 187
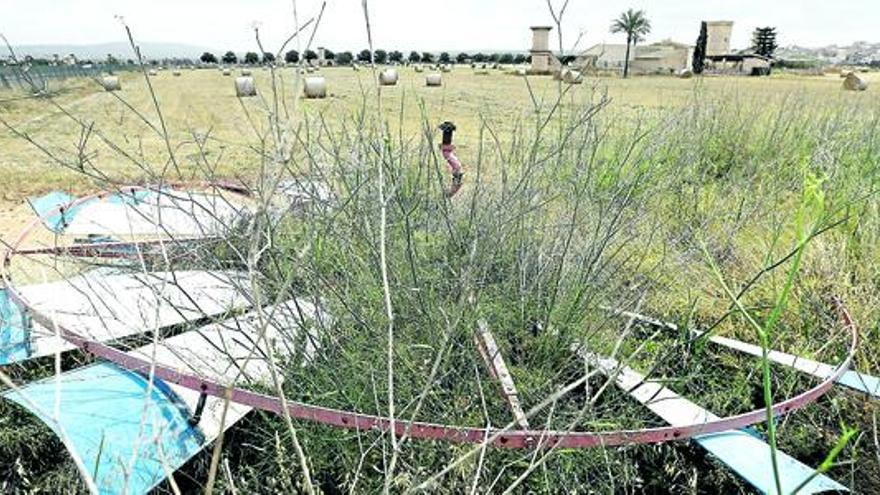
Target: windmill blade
745, 454
852, 379
129, 436
105, 305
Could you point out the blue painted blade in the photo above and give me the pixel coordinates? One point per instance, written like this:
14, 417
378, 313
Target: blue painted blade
130, 197
15, 331
747, 455
59, 220
861, 382
101, 409
750, 458
109, 304
49, 202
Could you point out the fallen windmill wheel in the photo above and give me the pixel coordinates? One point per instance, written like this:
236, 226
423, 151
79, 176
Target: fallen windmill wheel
140, 414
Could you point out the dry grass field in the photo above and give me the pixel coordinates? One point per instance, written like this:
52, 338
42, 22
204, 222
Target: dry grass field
204, 102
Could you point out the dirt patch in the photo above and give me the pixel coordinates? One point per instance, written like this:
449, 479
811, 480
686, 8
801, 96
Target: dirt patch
14, 217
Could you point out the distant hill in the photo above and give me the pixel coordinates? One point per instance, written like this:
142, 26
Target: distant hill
119, 49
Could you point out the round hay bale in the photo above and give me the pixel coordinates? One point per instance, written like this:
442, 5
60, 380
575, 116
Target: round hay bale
570, 76
522, 71
244, 87
175, 73
152, 72
418, 68
445, 68
310, 70
227, 72
685, 74
245, 72
434, 80
111, 83
315, 87
388, 77
854, 83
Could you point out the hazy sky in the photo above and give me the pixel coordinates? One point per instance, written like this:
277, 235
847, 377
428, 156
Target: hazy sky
421, 24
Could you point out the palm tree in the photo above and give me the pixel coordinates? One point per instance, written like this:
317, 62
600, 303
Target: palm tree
636, 25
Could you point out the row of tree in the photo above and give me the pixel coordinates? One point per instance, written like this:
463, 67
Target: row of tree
365, 56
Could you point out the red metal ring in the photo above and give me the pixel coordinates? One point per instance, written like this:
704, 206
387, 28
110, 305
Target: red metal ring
502, 438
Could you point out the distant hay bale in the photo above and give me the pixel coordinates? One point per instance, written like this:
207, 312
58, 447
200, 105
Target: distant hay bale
570, 76
245, 72
244, 87
388, 77
355, 67
175, 73
685, 74
418, 68
315, 87
227, 72
310, 70
854, 83
111, 83
434, 80
481, 70
445, 68
521, 71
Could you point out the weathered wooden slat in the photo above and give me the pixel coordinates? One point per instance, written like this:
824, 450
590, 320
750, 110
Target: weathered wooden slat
491, 354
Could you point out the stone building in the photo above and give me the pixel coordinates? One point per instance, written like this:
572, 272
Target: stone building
665, 57
720, 59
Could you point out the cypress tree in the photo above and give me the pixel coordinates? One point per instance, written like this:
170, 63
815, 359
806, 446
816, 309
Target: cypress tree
700, 49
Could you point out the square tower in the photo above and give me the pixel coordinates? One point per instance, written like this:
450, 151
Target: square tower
542, 57
718, 37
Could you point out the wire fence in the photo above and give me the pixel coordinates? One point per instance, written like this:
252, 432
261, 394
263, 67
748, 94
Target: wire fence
25, 77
